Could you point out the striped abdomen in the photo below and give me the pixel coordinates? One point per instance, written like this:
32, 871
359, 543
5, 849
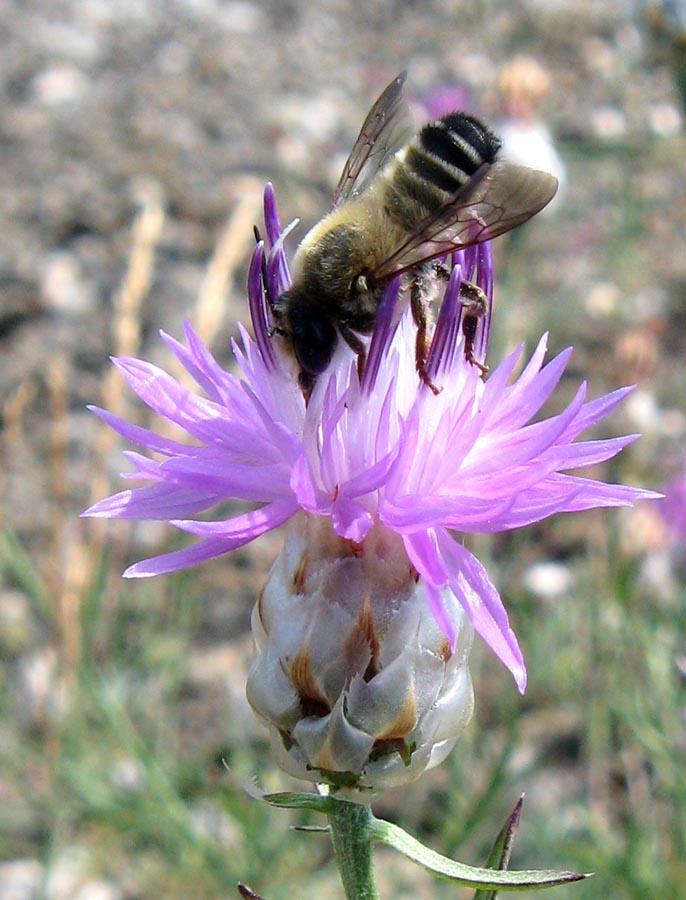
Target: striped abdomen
435, 165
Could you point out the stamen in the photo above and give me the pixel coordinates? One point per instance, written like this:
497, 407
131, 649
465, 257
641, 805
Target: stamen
383, 333
271, 216
259, 312
278, 273
447, 330
467, 258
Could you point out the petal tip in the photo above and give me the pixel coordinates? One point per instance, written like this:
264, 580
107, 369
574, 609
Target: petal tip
521, 678
137, 570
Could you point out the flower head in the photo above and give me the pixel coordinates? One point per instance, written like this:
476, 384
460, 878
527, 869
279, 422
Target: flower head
378, 452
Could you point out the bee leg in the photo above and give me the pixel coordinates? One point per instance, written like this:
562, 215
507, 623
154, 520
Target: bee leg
474, 308
440, 270
356, 345
418, 306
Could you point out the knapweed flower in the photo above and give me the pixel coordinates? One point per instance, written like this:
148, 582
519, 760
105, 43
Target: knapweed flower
380, 477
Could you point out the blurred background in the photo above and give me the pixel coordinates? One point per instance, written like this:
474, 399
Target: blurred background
135, 140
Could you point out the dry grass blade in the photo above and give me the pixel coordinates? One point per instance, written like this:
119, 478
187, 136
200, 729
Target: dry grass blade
232, 248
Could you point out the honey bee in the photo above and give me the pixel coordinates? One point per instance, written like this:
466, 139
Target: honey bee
404, 199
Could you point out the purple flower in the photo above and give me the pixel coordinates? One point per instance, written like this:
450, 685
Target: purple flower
672, 508
384, 450
446, 98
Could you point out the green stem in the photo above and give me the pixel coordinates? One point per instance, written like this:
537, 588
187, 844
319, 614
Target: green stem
351, 833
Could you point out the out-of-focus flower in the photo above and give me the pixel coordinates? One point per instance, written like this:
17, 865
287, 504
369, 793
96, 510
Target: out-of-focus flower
672, 511
524, 84
373, 455
672, 508
445, 99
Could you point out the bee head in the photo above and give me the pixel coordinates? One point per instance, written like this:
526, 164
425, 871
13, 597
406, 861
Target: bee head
311, 332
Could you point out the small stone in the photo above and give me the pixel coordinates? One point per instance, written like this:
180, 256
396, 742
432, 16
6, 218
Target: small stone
548, 579
20, 879
59, 84
63, 286
665, 120
608, 123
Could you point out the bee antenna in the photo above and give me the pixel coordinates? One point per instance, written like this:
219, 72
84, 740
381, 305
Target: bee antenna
256, 232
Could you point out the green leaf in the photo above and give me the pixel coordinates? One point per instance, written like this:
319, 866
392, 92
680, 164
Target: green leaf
288, 800
285, 799
468, 876
499, 857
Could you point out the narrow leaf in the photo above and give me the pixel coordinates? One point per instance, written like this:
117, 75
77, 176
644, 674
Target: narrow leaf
247, 892
499, 857
285, 799
18, 564
468, 876
299, 801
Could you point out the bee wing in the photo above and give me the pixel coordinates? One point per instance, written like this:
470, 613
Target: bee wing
387, 127
499, 197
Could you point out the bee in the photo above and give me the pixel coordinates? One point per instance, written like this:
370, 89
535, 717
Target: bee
404, 199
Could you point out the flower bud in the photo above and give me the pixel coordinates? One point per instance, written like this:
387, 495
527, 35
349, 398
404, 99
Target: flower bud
355, 679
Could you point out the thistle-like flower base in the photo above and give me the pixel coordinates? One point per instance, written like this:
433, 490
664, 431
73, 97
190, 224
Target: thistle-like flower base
358, 684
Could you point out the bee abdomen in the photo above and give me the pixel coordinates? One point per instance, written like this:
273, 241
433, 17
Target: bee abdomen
437, 163
459, 144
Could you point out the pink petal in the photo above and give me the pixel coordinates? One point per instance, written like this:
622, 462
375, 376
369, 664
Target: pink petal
241, 529
156, 502
350, 519
179, 559
442, 562
308, 494
255, 483
141, 436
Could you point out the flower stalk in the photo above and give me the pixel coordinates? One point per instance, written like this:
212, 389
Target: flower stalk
351, 835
